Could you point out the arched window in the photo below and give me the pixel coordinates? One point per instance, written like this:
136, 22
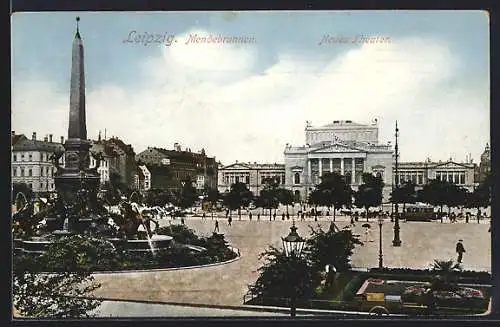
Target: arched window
22, 172
296, 178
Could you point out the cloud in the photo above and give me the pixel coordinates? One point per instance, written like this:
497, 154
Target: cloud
212, 96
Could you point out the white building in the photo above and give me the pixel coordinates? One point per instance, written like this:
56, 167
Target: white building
253, 175
31, 161
342, 146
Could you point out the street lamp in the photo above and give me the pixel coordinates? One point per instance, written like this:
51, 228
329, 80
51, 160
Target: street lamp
293, 245
396, 241
380, 260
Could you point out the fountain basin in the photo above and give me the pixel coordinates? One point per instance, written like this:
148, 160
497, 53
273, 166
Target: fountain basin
41, 245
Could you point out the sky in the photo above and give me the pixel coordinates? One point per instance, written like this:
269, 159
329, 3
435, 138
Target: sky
244, 101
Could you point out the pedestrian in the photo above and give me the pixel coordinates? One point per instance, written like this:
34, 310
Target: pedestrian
182, 220
352, 221
227, 212
258, 216
250, 216
287, 216
204, 216
478, 215
229, 220
466, 217
216, 229
460, 250
274, 215
283, 216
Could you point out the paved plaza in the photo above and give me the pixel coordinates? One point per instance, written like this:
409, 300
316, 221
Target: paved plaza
226, 284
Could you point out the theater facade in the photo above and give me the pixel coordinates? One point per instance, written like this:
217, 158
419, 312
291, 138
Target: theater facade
341, 146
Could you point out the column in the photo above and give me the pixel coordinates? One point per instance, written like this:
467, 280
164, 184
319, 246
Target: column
309, 170
341, 166
353, 178
331, 165
320, 166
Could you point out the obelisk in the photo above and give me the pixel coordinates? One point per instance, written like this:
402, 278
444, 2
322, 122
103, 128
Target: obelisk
76, 175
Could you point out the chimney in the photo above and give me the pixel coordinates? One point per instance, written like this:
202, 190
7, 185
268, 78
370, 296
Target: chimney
50, 138
33, 136
62, 139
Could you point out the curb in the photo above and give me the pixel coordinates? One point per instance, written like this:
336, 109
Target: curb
235, 250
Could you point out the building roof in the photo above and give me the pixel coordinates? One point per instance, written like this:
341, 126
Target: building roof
260, 166
177, 154
431, 164
24, 144
341, 124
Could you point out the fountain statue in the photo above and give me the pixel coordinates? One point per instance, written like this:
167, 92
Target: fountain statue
76, 209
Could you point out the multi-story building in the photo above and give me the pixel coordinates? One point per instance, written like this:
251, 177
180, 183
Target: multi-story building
484, 167
420, 173
143, 178
254, 175
342, 146
31, 161
118, 158
170, 169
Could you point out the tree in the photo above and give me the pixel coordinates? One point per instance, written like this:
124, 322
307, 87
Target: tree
481, 196
404, 194
64, 293
284, 277
239, 196
285, 197
187, 195
436, 193
369, 193
331, 247
332, 191
213, 197
157, 197
268, 197
456, 197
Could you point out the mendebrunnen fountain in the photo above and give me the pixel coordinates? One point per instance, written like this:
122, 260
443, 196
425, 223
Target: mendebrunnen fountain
77, 209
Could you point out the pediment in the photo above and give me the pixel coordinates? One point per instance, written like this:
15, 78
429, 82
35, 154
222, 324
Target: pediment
296, 168
337, 148
236, 166
450, 165
376, 167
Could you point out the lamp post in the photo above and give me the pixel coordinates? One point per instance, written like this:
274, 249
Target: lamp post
396, 241
293, 245
380, 256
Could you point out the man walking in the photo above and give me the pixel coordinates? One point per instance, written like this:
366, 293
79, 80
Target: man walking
460, 250
216, 229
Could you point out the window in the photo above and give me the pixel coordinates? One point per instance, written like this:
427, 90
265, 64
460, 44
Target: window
462, 178
41, 186
30, 172
296, 178
30, 185
14, 158
22, 157
22, 172
420, 179
30, 157
282, 178
247, 179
